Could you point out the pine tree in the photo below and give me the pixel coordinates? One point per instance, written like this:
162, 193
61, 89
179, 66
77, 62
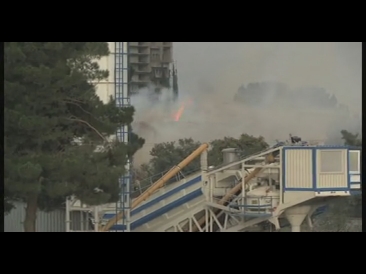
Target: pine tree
351, 139
57, 132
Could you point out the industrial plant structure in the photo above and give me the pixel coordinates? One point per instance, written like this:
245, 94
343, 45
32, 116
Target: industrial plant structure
290, 181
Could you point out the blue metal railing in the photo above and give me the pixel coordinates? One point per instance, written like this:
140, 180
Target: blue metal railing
254, 205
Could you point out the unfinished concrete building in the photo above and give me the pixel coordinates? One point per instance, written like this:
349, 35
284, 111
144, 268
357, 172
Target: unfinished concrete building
150, 63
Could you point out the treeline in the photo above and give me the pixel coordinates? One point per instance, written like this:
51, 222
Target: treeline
312, 100
165, 155
275, 93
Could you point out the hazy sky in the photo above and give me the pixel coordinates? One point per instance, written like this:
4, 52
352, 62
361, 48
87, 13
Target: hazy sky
224, 66
210, 73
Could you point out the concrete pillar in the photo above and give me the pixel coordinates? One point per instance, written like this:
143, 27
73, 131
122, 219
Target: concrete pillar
204, 166
295, 228
296, 215
204, 163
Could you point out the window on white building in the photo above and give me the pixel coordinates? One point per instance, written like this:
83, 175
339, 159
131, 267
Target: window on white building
331, 161
354, 162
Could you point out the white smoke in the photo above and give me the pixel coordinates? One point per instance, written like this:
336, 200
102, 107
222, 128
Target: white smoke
210, 74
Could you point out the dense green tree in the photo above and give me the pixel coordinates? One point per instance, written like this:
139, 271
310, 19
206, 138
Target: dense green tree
351, 139
261, 94
57, 132
306, 99
275, 93
246, 145
166, 155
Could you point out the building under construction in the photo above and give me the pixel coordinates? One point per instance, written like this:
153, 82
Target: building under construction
139, 66
150, 63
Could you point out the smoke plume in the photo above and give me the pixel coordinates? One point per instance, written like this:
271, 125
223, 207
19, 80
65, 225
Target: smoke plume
210, 75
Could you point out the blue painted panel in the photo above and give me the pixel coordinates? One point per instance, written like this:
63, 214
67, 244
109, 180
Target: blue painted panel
158, 199
162, 210
348, 163
166, 195
298, 189
332, 189
297, 147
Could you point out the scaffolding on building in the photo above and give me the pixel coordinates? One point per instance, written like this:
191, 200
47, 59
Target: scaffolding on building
123, 134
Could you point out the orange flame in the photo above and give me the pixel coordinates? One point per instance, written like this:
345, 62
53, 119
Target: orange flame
179, 113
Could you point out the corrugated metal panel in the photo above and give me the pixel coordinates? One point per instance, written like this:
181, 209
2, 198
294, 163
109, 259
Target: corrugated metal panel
332, 171
51, 221
332, 181
46, 221
80, 221
298, 169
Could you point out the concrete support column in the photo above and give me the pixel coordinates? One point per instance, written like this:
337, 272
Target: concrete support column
296, 215
204, 163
